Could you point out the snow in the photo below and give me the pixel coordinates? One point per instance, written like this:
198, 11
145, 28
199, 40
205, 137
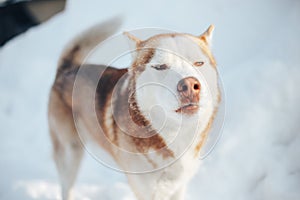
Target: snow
257, 47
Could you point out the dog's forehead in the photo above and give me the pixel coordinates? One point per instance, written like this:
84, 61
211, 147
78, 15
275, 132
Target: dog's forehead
176, 45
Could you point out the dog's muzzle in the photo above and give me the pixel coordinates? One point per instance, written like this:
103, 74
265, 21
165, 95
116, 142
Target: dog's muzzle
189, 94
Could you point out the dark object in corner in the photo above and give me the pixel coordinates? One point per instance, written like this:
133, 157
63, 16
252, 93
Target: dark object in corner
16, 18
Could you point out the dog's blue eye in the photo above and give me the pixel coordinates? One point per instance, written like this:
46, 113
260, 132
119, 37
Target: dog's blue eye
160, 67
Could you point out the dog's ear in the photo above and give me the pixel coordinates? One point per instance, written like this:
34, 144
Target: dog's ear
207, 35
133, 38
133, 43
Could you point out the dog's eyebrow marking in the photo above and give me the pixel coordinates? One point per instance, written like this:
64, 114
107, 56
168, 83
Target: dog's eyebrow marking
160, 66
198, 63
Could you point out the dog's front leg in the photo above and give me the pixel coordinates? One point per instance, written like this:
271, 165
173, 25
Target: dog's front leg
164, 191
160, 185
179, 194
167, 187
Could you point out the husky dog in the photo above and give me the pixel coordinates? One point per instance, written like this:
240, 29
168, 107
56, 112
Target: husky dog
154, 115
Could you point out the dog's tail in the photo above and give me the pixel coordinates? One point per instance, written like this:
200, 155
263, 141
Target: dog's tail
78, 49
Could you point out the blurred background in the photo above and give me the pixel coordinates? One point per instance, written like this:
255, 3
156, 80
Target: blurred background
257, 47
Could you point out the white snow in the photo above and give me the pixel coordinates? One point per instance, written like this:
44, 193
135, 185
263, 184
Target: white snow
257, 47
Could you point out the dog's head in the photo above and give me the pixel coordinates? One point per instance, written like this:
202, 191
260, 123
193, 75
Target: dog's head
174, 76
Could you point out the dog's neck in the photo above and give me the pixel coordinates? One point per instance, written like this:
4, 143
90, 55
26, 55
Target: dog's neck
133, 125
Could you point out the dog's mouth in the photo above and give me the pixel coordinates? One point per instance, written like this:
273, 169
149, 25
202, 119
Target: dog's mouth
190, 108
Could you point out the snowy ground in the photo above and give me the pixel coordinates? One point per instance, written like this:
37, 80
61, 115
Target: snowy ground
257, 46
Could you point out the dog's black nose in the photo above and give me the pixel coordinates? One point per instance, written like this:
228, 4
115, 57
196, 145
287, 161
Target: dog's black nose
189, 89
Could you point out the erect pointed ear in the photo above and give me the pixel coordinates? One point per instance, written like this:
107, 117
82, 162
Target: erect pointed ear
133, 43
133, 38
207, 35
